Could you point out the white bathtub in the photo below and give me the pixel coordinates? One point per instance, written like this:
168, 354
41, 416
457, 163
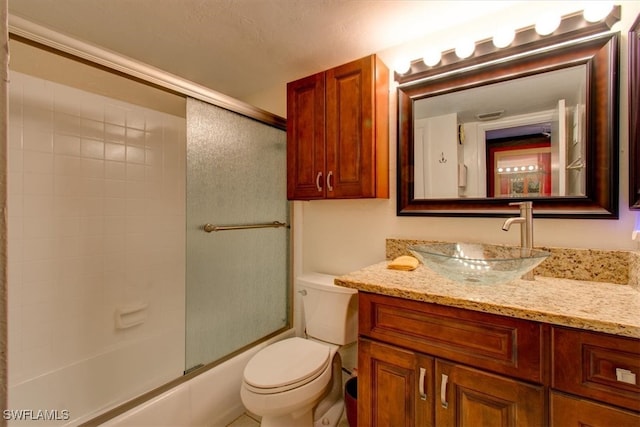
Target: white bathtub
210, 399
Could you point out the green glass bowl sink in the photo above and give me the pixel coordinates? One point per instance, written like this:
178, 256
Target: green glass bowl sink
478, 263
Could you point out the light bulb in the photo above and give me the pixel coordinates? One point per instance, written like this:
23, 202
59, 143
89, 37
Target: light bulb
503, 37
402, 66
431, 57
465, 48
597, 10
547, 24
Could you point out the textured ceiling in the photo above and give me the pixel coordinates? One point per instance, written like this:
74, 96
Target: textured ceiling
244, 48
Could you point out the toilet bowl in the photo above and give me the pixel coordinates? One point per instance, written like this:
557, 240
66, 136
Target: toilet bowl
286, 380
297, 382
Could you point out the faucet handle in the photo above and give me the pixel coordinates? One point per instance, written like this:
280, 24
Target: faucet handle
522, 204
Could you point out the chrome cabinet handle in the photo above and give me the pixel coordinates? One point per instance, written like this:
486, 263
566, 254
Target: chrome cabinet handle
443, 391
423, 395
329, 186
318, 177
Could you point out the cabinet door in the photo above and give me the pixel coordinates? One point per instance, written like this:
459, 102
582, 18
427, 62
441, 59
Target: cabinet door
395, 387
356, 136
306, 138
568, 411
467, 397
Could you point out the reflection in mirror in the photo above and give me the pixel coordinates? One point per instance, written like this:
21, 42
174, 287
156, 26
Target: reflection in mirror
517, 138
634, 115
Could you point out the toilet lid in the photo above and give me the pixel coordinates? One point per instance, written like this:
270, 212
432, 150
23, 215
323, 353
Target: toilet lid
287, 363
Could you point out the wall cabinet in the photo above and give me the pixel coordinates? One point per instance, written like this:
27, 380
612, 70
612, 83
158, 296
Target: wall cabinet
338, 134
423, 364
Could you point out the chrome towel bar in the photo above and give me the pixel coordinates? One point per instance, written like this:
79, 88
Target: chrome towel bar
210, 227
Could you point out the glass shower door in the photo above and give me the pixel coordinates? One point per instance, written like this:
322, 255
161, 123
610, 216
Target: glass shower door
237, 280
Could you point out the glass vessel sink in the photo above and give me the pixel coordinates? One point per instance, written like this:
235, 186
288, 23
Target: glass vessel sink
478, 263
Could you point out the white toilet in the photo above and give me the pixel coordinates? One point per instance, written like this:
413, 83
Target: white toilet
297, 382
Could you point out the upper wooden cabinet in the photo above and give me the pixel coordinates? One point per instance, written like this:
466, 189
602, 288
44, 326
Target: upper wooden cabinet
338, 134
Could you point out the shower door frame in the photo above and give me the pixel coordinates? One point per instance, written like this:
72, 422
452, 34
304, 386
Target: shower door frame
27, 31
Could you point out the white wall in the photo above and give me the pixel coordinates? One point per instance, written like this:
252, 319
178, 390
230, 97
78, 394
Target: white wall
340, 236
96, 224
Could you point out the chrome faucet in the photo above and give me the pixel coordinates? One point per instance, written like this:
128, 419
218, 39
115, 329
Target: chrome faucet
526, 230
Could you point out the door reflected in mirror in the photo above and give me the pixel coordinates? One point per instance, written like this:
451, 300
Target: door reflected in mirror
518, 138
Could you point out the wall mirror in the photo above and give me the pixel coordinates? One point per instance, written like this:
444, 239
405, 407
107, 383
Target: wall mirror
634, 115
538, 126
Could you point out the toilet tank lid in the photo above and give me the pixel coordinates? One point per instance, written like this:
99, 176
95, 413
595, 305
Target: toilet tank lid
322, 281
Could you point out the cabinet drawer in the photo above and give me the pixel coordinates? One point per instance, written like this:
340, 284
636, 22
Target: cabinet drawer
500, 344
571, 411
594, 365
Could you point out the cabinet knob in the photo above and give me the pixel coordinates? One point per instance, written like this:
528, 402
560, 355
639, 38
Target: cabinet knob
318, 177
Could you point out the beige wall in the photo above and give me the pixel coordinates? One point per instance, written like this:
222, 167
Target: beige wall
338, 236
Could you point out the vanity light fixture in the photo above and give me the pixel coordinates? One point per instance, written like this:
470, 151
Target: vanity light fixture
506, 43
530, 168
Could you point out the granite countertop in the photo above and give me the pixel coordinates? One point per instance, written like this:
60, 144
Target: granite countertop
596, 306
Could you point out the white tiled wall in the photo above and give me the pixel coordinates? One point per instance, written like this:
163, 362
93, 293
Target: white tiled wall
96, 224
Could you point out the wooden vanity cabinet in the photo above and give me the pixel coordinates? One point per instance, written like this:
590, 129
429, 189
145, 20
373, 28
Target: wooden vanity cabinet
422, 364
338, 134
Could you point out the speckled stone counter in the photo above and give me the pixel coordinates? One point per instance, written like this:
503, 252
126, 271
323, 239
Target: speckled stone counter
596, 306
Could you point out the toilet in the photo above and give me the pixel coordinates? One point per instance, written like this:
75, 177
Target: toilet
297, 382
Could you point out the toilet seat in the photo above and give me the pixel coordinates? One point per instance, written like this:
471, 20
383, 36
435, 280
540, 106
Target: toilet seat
286, 365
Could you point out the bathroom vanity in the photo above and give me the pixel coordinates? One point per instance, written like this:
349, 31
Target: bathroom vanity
433, 352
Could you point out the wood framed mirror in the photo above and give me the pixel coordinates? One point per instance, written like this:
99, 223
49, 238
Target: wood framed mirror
634, 115
592, 123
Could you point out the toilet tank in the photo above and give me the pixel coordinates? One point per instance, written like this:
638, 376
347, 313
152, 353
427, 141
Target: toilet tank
330, 311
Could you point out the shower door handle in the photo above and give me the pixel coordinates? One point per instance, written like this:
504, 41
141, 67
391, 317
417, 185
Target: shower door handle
318, 178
